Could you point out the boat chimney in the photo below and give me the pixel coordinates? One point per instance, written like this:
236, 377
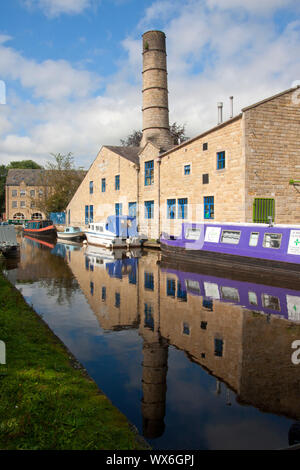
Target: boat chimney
231, 106
220, 113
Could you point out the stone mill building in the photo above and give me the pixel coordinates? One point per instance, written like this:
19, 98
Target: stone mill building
245, 169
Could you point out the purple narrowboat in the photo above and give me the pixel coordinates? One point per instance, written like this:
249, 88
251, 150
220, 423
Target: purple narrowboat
259, 248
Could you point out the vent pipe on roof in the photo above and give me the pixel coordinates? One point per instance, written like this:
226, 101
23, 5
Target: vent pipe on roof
220, 113
231, 106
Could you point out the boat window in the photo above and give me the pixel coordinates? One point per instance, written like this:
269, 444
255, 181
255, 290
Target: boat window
192, 286
230, 236
230, 293
67, 230
97, 228
192, 233
100, 228
252, 298
211, 290
77, 229
272, 240
271, 302
253, 240
92, 227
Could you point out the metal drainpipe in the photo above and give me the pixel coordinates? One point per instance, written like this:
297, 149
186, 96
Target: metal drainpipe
159, 218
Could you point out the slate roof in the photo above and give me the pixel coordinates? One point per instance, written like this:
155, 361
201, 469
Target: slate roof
30, 177
130, 153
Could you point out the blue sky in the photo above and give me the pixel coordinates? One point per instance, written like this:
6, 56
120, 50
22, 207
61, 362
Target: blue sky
72, 68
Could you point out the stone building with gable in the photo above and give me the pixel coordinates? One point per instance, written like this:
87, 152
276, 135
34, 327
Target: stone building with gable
245, 169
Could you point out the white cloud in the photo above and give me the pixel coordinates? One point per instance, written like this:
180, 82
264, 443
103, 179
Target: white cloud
54, 8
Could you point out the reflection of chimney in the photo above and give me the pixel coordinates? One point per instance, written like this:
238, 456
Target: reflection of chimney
156, 127
220, 113
155, 366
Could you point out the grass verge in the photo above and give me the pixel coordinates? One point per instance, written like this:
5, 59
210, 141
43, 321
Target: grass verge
47, 401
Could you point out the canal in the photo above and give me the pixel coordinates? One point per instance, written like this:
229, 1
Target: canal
193, 360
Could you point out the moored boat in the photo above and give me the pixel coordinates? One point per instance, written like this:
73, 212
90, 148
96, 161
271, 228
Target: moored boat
71, 233
247, 246
40, 229
115, 232
9, 246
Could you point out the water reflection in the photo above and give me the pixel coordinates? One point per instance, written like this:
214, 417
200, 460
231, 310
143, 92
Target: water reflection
239, 333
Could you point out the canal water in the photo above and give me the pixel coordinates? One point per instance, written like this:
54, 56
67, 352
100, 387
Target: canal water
193, 360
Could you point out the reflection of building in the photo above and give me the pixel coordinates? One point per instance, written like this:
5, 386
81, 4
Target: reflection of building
203, 317
22, 188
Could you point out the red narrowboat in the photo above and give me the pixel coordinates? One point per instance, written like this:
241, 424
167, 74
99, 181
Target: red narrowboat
40, 229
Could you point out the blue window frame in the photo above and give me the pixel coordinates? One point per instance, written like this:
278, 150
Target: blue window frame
149, 173
132, 209
182, 208
209, 207
187, 169
186, 328
91, 214
103, 185
87, 263
220, 160
149, 281
103, 293
117, 182
91, 187
171, 287
86, 218
219, 347
117, 300
118, 208
149, 319
132, 276
181, 293
171, 208
208, 304
149, 209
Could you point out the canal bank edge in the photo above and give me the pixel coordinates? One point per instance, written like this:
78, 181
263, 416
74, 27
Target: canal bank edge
48, 401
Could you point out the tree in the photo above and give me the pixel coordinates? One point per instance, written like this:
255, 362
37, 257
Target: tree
58, 184
177, 131
24, 164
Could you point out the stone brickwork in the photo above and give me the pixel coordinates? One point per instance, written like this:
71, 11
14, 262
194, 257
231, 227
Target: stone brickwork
156, 127
20, 201
272, 148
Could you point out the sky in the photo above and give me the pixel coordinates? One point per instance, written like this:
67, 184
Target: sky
72, 68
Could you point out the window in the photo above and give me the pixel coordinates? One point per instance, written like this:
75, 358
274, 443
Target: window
41, 192
149, 319
149, 281
253, 240
103, 295
117, 182
19, 216
14, 193
193, 286
272, 240
218, 347
92, 288
263, 210
209, 207
132, 276
271, 302
149, 173
203, 325
186, 329
220, 160
171, 208
32, 193
230, 293
37, 216
32, 205
91, 214
118, 208
14, 204
252, 298
117, 300
86, 215
22, 192
205, 146
171, 287
182, 208
22, 204
208, 304
231, 236
103, 185
181, 293
187, 169
91, 187
132, 209
205, 178
192, 233
149, 209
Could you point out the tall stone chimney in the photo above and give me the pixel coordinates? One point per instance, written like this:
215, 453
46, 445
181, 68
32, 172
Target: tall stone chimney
156, 126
